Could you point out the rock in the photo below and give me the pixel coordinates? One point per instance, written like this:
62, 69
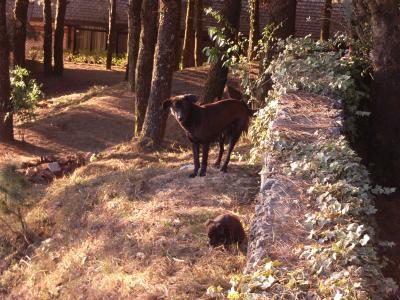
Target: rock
186, 167
54, 167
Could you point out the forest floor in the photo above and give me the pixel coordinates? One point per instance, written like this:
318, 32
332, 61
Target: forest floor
131, 223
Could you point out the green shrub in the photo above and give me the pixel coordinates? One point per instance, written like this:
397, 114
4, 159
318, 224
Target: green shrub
25, 96
94, 57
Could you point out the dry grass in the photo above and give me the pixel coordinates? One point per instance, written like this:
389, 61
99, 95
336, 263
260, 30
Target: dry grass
131, 225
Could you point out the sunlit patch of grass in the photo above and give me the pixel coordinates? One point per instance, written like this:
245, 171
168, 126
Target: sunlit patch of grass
131, 223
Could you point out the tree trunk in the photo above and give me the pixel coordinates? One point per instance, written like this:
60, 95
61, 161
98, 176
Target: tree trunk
178, 46
20, 15
48, 37
385, 17
198, 44
134, 9
59, 37
189, 39
283, 12
326, 21
165, 56
254, 34
148, 39
6, 124
218, 75
112, 34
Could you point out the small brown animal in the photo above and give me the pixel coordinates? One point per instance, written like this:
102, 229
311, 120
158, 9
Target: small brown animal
204, 124
224, 230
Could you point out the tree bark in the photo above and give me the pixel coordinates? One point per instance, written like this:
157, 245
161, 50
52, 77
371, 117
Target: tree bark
111, 37
148, 39
218, 75
198, 45
178, 46
6, 123
283, 12
326, 21
189, 39
254, 34
59, 37
134, 10
165, 56
385, 19
20, 16
48, 37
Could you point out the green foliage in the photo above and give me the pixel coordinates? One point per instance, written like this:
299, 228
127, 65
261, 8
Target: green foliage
25, 95
96, 57
232, 51
35, 54
228, 45
14, 193
315, 67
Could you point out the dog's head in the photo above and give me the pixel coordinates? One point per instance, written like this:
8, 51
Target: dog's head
180, 106
216, 233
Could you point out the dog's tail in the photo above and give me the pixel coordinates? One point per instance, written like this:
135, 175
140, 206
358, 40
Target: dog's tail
250, 112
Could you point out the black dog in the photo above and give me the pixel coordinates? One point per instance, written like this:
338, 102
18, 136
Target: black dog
225, 230
204, 124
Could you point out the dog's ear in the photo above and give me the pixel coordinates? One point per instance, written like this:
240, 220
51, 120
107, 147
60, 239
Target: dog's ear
191, 98
166, 104
209, 222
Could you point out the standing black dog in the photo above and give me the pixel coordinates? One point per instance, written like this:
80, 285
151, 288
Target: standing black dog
204, 124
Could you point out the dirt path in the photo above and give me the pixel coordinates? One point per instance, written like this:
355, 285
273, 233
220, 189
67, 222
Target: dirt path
93, 125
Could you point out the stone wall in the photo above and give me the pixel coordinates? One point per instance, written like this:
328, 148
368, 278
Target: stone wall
276, 228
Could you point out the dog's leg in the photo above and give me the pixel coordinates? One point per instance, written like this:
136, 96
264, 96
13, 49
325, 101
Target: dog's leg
232, 142
196, 160
203, 170
221, 151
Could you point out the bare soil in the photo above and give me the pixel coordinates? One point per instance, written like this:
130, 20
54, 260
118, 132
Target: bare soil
96, 123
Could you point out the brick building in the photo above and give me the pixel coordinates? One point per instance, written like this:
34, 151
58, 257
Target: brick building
86, 21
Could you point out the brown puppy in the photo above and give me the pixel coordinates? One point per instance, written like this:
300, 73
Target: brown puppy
224, 230
204, 124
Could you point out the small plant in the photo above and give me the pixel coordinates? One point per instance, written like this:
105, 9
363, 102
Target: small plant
231, 48
35, 54
14, 192
95, 57
25, 96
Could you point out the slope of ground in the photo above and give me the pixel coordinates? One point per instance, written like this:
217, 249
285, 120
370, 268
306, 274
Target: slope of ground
132, 224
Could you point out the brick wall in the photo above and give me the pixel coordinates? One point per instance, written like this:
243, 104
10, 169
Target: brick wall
309, 18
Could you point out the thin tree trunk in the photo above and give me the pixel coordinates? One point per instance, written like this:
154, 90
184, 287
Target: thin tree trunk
111, 38
385, 17
59, 37
326, 21
6, 124
20, 16
148, 39
189, 39
254, 34
178, 46
134, 9
165, 56
48, 37
283, 12
218, 74
198, 45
